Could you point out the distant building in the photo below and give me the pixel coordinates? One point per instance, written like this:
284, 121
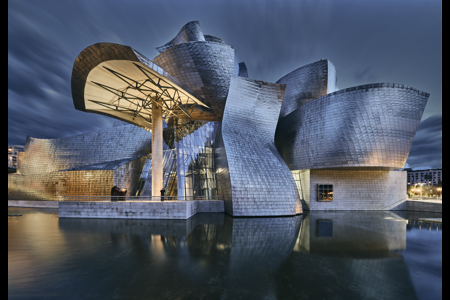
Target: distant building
431, 176
13, 152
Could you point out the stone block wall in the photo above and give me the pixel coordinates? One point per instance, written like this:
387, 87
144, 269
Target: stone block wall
137, 210
356, 189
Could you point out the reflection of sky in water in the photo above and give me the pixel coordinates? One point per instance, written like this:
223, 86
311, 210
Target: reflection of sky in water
318, 255
424, 260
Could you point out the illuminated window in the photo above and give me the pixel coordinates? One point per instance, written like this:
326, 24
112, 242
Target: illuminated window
324, 192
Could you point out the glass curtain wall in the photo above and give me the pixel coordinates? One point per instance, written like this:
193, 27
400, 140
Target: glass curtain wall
298, 182
188, 161
169, 175
196, 178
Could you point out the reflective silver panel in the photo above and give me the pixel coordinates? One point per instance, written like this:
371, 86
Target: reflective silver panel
85, 164
189, 170
229, 149
188, 33
365, 126
261, 183
306, 84
205, 67
243, 70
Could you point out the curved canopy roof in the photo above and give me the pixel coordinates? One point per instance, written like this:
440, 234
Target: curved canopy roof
118, 81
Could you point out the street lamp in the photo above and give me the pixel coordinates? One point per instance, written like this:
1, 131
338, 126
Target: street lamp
439, 189
421, 190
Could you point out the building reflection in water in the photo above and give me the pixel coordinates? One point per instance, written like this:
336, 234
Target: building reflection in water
315, 255
354, 255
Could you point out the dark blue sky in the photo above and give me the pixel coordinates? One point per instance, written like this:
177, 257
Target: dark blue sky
368, 41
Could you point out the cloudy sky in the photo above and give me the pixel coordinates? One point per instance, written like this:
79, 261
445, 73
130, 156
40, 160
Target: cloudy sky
397, 41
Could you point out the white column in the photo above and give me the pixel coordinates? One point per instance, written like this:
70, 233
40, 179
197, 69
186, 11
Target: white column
157, 150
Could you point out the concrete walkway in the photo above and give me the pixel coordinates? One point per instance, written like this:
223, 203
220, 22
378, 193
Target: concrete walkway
424, 205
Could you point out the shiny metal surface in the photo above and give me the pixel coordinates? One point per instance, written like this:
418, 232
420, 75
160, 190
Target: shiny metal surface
242, 139
85, 164
243, 70
261, 183
204, 65
365, 126
306, 84
189, 169
191, 32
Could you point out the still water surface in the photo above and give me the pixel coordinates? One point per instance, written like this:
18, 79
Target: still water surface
317, 255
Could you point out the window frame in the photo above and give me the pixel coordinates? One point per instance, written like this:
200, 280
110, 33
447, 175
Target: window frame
324, 188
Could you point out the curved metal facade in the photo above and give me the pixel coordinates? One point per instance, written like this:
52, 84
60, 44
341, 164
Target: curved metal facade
306, 84
261, 183
205, 66
85, 164
244, 146
188, 33
365, 126
50, 155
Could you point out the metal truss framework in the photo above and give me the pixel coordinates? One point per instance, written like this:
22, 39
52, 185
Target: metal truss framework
165, 96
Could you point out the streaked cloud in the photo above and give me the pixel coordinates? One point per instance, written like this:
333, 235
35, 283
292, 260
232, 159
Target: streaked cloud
368, 41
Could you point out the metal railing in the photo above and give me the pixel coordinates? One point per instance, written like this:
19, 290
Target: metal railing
138, 198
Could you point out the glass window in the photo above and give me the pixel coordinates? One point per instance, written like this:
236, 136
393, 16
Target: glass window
324, 192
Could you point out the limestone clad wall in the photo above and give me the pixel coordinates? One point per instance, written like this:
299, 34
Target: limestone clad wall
357, 189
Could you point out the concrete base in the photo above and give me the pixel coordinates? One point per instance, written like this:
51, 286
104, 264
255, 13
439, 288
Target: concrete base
34, 203
431, 206
138, 210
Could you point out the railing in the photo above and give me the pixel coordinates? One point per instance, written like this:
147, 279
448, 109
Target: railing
138, 198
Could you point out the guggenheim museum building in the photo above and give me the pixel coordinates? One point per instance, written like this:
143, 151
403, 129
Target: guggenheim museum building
192, 122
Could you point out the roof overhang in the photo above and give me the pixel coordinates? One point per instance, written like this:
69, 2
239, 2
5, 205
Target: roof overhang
119, 82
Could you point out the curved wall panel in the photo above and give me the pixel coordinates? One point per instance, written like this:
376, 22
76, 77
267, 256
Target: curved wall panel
261, 183
365, 126
50, 155
210, 38
306, 84
205, 67
188, 33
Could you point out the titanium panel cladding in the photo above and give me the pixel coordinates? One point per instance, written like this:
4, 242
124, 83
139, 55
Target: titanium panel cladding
49, 155
86, 164
188, 33
203, 65
365, 126
306, 84
261, 183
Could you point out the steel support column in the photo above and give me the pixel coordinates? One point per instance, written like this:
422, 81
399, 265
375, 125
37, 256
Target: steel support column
157, 150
